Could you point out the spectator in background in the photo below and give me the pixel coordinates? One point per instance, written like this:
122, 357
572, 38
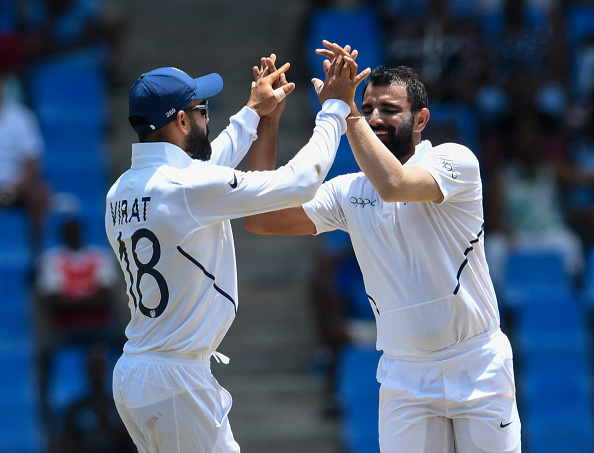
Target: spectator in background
525, 66
440, 40
525, 206
75, 297
21, 145
92, 423
79, 29
577, 173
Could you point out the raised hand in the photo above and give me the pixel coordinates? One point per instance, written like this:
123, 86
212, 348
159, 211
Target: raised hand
335, 50
267, 66
341, 76
270, 87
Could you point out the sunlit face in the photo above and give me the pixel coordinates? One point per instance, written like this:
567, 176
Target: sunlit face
387, 111
197, 143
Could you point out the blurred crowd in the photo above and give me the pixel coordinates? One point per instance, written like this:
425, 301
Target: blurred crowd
524, 70
511, 79
71, 274
514, 81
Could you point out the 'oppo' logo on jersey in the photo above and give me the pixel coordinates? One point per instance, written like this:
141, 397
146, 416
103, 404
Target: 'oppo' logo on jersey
362, 202
170, 112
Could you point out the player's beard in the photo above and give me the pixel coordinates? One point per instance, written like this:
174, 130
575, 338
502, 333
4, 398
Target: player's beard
197, 143
400, 143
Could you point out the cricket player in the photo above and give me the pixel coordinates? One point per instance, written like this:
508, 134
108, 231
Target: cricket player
415, 218
168, 221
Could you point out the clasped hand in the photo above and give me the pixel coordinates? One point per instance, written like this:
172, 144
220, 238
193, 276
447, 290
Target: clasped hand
342, 79
270, 87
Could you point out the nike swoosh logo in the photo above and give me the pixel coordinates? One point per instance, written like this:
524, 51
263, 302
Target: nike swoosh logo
234, 183
501, 425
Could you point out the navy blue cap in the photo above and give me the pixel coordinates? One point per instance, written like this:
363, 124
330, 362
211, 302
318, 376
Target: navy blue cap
158, 95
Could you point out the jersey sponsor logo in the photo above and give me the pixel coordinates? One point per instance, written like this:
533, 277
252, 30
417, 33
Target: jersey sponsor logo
120, 214
234, 183
505, 425
449, 168
362, 202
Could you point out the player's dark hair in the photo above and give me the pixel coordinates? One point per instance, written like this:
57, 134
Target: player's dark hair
416, 93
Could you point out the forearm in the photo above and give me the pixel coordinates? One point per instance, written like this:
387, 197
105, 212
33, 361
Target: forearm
233, 143
263, 152
290, 221
302, 176
383, 170
317, 156
297, 182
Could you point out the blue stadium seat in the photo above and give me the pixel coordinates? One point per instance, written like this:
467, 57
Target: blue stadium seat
64, 93
357, 366
358, 394
550, 325
494, 20
534, 277
588, 279
83, 148
453, 122
554, 375
17, 380
88, 185
67, 380
359, 429
20, 426
580, 22
15, 247
14, 290
557, 412
9, 15
580, 29
359, 27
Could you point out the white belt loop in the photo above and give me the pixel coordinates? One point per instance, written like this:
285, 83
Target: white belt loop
221, 358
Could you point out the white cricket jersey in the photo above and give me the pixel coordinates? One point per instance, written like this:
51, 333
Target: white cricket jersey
423, 263
168, 222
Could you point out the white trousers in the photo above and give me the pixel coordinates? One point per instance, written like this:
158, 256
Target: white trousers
459, 400
172, 404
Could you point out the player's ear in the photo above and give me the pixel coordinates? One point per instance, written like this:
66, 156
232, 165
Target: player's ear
181, 122
421, 119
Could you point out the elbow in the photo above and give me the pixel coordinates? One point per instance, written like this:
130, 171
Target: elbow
390, 189
388, 195
306, 194
254, 224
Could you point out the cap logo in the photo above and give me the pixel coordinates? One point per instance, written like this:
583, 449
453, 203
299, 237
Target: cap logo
170, 112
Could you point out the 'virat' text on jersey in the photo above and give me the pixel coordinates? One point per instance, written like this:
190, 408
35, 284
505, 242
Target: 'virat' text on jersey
120, 214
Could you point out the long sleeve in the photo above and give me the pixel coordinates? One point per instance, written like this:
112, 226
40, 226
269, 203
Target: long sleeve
231, 193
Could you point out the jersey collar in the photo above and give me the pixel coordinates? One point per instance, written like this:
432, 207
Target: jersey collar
159, 153
420, 151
